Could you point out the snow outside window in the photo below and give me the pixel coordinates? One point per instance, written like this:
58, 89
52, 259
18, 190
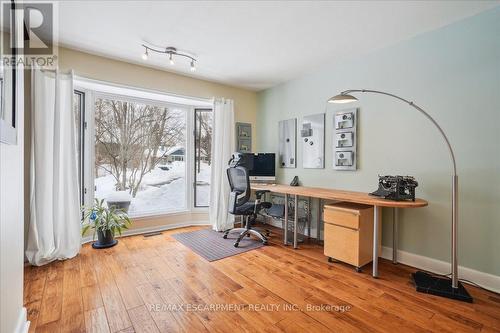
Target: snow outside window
140, 155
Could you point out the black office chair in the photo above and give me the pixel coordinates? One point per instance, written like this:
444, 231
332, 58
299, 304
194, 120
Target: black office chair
240, 204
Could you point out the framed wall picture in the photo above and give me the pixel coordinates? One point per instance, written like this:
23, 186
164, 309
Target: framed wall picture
1, 93
8, 86
287, 143
8, 117
243, 137
312, 136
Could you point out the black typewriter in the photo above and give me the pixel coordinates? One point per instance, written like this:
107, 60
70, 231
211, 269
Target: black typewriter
397, 188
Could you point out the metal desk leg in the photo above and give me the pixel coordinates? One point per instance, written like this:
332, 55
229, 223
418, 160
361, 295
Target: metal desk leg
376, 221
318, 224
285, 231
309, 218
395, 220
295, 220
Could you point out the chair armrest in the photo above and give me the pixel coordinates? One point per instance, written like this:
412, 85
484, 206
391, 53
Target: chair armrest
266, 205
259, 193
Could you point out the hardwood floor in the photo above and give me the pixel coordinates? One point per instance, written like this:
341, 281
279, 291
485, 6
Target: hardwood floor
135, 286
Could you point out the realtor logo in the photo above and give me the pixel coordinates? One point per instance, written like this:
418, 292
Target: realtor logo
31, 40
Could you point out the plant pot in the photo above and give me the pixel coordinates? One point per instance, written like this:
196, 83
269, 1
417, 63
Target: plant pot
104, 240
120, 200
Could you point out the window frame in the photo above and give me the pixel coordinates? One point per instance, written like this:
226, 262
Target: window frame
195, 110
81, 142
89, 138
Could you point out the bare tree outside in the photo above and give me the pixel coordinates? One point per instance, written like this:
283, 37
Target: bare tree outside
203, 155
203, 137
131, 139
141, 155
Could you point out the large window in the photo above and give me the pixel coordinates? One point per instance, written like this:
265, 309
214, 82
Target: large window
202, 153
143, 150
140, 150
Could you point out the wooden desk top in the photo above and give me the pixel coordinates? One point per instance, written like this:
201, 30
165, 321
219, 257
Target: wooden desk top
339, 195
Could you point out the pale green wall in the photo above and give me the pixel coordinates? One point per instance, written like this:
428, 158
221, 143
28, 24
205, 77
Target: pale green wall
453, 73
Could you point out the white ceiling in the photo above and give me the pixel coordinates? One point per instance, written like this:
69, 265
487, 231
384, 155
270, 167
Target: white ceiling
252, 44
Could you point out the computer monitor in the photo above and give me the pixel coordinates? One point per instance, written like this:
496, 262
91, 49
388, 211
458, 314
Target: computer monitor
261, 166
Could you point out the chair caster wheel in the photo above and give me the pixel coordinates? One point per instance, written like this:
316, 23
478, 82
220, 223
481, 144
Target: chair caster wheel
264, 243
236, 244
359, 270
225, 236
330, 259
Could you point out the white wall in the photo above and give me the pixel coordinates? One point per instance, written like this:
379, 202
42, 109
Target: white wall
12, 313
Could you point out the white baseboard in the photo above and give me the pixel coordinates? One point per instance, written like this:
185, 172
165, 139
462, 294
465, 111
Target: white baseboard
488, 281
23, 324
140, 231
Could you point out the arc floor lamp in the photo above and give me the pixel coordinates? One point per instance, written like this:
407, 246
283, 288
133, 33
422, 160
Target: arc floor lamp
425, 282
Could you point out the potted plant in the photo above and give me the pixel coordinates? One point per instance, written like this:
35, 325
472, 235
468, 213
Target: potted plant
105, 221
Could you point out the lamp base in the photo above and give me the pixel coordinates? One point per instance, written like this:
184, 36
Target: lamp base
429, 284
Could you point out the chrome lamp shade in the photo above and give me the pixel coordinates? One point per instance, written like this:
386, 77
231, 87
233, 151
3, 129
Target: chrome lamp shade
342, 99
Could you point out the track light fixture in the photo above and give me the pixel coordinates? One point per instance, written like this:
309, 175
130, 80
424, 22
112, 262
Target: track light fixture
171, 52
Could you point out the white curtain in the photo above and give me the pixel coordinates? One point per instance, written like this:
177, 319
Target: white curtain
223, 145
54, 230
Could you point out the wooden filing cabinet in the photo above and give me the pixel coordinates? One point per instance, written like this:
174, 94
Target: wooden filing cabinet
348, 233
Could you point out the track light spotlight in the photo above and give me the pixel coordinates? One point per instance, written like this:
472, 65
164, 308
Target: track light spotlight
170, 51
